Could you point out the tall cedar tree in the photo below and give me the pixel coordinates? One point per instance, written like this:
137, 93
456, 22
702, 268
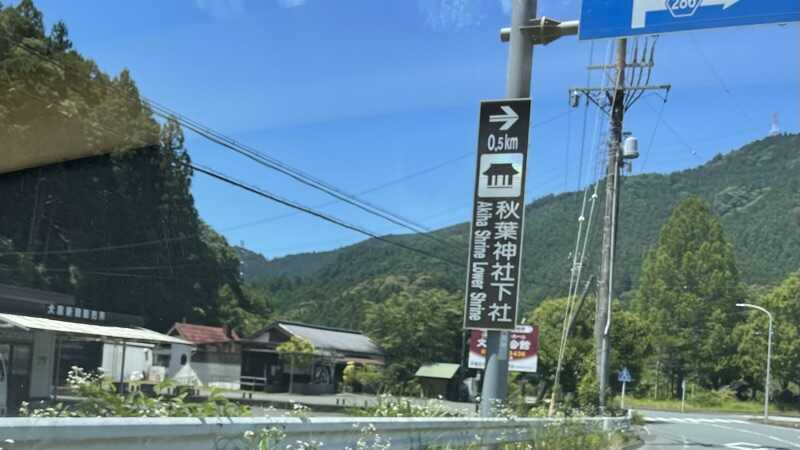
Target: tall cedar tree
688, 294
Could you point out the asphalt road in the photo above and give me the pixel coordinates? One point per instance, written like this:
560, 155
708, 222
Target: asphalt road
668, 431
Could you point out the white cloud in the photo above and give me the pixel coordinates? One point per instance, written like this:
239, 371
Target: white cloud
291, 3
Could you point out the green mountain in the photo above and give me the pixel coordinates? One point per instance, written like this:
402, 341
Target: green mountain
300, 265
755, 190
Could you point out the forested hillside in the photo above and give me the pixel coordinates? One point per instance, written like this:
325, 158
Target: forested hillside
754, 190
119, 231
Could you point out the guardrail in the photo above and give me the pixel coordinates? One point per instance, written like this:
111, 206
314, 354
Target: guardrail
217, 433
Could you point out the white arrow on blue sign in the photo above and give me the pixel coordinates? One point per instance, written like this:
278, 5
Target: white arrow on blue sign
620, 18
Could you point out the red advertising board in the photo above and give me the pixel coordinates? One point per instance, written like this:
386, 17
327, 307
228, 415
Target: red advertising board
523, 349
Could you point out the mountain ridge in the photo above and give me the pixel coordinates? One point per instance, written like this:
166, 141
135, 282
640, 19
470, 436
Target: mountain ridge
755, 190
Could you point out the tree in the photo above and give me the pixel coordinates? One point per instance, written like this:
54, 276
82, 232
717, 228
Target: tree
784, 304
687, 295
299, 352
414, 327
161, 261
630, 345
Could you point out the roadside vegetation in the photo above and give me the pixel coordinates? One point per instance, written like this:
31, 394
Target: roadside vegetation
566, 436
97, 396
727, 406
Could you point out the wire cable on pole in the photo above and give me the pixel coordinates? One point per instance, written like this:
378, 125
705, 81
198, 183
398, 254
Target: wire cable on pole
328, 218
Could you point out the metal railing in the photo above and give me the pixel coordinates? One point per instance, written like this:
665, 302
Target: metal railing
215, 433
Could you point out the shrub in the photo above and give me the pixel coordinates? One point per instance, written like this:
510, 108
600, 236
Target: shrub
713, 398
99, 398
389, 406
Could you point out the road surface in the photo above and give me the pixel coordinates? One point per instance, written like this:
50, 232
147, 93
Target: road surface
668, 431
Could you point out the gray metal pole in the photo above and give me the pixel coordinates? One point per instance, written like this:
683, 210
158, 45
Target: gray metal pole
769, 355
683, 396
769, 361
518, 85
122, 368
602, 323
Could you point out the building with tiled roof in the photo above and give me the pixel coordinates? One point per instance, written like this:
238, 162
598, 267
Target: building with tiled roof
204, 334
217, 358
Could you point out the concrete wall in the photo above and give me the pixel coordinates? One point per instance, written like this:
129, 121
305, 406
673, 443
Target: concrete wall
138, 358
219, 374
43, 364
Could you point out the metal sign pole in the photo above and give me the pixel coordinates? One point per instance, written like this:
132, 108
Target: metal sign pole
518, 85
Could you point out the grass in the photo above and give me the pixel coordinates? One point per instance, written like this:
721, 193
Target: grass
728, 406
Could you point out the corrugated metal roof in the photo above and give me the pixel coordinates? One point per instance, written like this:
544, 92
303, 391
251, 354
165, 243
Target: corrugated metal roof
331, 339
439, 370
85, 329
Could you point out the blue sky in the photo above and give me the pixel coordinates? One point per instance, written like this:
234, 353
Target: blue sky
361, 92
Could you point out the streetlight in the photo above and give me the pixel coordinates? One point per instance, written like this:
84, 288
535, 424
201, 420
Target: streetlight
769, 355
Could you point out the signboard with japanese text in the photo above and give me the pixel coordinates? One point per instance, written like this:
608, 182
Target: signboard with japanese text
523, 349
75, 312
495, 248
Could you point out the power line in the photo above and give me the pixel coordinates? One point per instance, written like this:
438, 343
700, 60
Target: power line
674, 132
231, 144
297, 175
653, 136
219, 176
267, 161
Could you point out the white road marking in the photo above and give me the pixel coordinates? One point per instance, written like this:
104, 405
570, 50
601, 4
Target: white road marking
755, 433
745, 446
696, 421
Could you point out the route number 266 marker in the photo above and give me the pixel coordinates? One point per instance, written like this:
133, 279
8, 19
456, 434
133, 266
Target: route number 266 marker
620, 18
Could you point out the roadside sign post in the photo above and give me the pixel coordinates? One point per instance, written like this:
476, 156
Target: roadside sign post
498, 214
523, 349
624, 378
509, 156
683, 396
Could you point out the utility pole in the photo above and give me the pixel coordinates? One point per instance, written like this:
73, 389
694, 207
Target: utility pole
518, 85
602, 322
614, 101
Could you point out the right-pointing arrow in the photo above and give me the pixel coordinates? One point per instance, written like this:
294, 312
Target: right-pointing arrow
642, 7
509, 118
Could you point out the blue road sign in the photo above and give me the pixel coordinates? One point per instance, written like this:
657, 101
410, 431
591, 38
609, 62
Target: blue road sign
619, 18
625, 376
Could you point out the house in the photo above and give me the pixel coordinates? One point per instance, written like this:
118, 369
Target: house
215, 359
334, 348
43, 334
500, 175
439, 380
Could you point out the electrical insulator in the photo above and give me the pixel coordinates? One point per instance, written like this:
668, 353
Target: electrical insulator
574, 99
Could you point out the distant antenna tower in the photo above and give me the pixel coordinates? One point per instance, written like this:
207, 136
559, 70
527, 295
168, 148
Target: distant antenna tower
775, 129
